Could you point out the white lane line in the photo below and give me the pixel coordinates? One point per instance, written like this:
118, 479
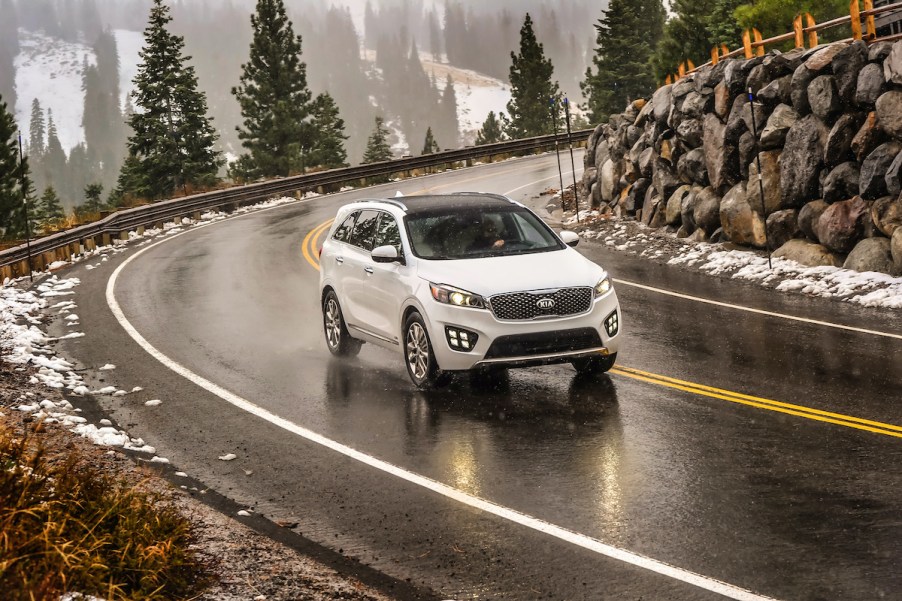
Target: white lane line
706, 301
511, 515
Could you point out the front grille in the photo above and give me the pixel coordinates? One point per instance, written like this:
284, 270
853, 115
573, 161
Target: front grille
526, 305
543, 343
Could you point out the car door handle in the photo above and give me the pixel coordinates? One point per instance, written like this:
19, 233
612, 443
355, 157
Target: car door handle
339, 260
369, 270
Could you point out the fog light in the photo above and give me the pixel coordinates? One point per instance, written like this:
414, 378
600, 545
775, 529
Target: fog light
459, 339
612, 324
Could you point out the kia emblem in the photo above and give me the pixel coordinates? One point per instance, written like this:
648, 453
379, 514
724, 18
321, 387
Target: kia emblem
545, 303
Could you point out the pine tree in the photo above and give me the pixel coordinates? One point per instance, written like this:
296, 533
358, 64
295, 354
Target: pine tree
36, 134
53, 162
531, 87
12, 216
430, 146
49, 212
685, 36
622, 56
273, 95
93, 203
449, 129
328, 137
377, 147
490, 133
173, 141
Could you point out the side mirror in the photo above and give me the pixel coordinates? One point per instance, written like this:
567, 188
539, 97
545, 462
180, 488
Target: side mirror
386, 254
570, 238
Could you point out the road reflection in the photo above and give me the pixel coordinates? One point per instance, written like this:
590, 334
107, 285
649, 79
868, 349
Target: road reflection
534, 440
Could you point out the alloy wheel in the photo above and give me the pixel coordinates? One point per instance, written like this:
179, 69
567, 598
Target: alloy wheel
417, 351
333, 323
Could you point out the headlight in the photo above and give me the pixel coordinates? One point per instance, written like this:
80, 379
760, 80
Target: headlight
454, 296
603, 287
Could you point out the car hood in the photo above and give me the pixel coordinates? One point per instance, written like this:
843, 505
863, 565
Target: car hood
495, 275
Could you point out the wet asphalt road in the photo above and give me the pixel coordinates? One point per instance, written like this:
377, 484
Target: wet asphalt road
781, 505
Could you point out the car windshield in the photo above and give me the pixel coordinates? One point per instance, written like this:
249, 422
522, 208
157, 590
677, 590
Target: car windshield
473, 233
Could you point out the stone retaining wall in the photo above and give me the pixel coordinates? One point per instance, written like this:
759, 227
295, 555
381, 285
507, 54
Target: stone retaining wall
829, 144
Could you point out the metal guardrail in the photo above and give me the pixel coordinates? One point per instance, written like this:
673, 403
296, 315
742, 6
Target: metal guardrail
14, 261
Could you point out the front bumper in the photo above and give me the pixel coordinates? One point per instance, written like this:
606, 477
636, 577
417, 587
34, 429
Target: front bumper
521, 343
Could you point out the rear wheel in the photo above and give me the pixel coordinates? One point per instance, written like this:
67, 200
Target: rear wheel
338, 339
597, 364
418, 356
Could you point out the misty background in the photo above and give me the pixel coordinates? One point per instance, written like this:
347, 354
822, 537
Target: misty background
393, 58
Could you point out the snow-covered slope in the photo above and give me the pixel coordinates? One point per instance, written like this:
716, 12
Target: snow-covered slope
50, 70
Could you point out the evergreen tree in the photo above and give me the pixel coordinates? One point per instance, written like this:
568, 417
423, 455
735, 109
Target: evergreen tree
531, 87
377, 148
273, 95
622, 56
173, 141
435, 37
685, 36
49, 212
36, 132
89, 21
774, 17
328, 137
12, 217
93, 203
490, 133
430, 146
721, 24
449, 129
53, 162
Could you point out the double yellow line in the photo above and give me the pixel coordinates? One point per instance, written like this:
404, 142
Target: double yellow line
311, 254
310, 247
770, 405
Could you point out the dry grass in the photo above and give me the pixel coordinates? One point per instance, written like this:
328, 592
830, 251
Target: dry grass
67, 527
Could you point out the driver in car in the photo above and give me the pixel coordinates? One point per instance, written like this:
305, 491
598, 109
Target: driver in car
488, 236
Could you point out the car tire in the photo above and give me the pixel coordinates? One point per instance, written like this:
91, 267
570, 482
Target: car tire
599, 364
338, 339
418, 356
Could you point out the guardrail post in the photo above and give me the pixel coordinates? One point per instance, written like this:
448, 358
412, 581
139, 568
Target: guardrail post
758, 39
105, 239
812, 34
855, 13
799, 31
6, 273
870, 26
22, 267
747, 43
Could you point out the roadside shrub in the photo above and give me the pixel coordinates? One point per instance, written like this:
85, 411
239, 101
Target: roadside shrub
67, 527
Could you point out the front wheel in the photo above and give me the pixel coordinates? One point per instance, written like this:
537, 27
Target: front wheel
597, 364
419, 358
338, 339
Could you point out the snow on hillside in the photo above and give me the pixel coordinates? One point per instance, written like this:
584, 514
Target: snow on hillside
477, 95
50, 70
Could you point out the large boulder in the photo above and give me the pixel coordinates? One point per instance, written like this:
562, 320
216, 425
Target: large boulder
590, 176
842, 182
809, 216
692, 169
841, 225
663, 103
647, 161
722, 100
687, 210
872, 254
635, 197
695, 105
706, 211
691, 132
822, 59
870, 86
872, 184
886, 213
779, 91
868, 138
770, 180
602, 154
736, 123
675, 206
663, 178
807, 253
892, 65
878, 52
824, 97
799, 89
839, 140
801, 161
846, 67
747, 150
782, 226
889, 112
608, 180
650, 207
774, 133
721, 157
740, 222
896, 247
893, 177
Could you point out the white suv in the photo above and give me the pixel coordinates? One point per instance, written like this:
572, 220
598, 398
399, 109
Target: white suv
462, 281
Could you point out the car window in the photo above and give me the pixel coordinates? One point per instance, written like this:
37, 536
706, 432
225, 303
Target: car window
365, 230
472, 233
388, 234
343, 231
